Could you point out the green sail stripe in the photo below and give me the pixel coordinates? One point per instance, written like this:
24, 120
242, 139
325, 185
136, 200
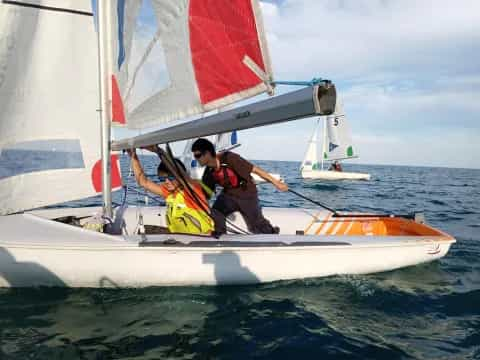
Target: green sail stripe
350, 151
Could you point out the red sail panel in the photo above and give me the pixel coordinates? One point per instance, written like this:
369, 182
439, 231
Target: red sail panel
118, 111
115, 174
222, 33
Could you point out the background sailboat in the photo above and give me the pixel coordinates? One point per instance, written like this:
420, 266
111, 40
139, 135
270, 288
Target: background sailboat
336, 145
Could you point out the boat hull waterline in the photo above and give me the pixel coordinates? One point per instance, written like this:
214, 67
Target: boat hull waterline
57, 254
334, 175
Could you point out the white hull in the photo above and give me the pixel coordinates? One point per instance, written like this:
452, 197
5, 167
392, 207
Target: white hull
333, 175
35, 250
259, 180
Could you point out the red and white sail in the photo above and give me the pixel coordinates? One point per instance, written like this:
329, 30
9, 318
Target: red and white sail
49, 124
191, 57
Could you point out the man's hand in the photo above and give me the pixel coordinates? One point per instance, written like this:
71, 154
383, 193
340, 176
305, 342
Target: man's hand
267, 177
281, 186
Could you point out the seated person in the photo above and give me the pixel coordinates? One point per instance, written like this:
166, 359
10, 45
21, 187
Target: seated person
335, 166
186, 213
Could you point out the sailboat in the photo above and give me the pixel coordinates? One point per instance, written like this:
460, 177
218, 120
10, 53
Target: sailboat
336, 145
223, 142
63, 83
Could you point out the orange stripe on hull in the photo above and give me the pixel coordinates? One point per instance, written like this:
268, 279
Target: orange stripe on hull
374, 226
322, 225
315, 219
335, 229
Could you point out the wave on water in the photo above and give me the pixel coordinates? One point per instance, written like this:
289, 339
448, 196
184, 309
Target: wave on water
428, 311
321, 187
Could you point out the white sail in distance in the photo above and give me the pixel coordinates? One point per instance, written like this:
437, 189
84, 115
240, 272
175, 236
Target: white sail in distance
338, 140
310, 161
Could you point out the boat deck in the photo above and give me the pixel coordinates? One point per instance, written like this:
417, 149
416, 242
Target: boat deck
299, 227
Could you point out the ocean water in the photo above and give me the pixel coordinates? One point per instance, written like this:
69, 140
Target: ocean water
429, 311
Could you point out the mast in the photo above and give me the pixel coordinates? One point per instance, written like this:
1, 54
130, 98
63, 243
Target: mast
104, 105
324, 139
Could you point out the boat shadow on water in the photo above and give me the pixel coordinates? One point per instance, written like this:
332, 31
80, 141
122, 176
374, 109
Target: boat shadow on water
15, 273
227, 266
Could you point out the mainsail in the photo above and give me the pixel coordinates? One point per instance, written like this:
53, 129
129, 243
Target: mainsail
338, 141
208, 54
49, 143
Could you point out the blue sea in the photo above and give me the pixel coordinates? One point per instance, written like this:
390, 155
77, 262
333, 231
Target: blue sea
429, 311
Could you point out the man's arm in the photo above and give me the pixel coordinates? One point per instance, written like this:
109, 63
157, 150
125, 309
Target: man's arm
267, 177
244, 168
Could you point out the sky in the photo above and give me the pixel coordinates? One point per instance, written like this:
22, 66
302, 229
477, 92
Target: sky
408, 73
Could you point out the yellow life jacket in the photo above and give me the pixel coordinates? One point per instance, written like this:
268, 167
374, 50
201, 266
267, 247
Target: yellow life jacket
183, 219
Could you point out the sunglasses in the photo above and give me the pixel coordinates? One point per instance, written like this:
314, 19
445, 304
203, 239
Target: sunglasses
198, 155
164, 178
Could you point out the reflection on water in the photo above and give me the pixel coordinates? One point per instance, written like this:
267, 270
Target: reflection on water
350, 318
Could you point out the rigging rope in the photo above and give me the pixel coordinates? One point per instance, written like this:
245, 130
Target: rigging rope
314, 202
339, 215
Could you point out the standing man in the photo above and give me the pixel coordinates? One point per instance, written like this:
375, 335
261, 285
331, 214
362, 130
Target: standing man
232, 172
